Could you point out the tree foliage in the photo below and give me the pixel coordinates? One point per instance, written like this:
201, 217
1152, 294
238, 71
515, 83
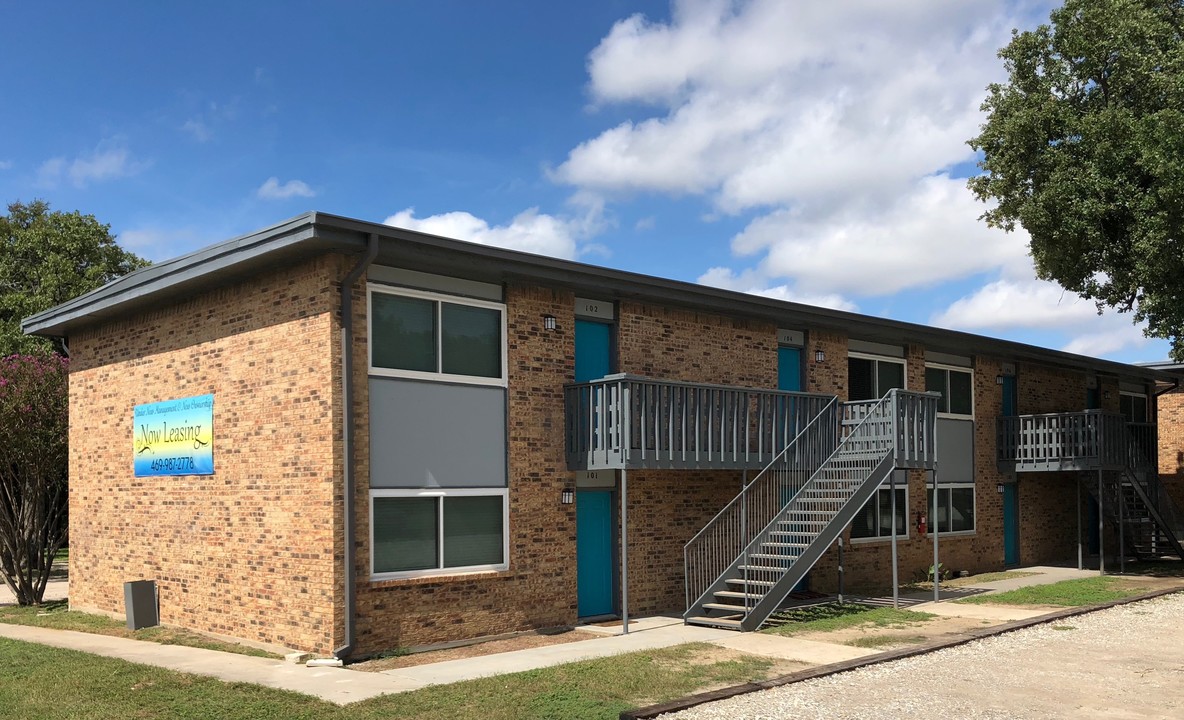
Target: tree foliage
33, 470
1084, 147
46, 258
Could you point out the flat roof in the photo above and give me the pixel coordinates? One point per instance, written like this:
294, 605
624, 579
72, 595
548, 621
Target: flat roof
316, 233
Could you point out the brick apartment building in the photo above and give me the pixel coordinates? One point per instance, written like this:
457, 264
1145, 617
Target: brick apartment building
489, 441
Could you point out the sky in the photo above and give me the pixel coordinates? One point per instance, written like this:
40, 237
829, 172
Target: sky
813, 152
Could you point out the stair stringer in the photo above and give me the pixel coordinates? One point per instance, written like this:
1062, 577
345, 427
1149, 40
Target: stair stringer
1153, 510
810, 556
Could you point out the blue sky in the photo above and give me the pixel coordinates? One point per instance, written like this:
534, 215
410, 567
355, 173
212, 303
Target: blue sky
808, 151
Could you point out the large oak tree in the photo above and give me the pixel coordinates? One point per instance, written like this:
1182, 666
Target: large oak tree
1084, 148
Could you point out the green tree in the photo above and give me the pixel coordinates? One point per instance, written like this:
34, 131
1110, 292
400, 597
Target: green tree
46, 258
1084, 148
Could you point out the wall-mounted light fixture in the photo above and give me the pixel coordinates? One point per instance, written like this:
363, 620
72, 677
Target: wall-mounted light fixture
819, 356
998, 379
999, 488
568, 496
549, 322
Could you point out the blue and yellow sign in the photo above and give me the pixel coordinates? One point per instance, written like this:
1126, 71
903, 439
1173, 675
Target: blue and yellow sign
175, 437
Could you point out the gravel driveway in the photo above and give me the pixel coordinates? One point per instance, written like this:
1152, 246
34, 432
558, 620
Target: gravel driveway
1124, 662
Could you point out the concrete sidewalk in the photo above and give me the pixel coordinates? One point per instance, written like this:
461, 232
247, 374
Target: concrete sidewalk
54, 590
343, 686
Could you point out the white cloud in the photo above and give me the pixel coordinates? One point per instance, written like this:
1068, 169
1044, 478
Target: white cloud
109, 161
1010, 304
834, 124
271, 189
725, 278
529, 231
198, 129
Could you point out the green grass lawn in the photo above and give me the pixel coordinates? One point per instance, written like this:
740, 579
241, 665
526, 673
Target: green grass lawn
1067, 593
57, 616
38, 682
833, 616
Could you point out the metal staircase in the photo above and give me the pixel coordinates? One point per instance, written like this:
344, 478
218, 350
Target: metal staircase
744, 563
1152, 525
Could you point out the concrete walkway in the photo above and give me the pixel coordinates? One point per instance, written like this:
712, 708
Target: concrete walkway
343, 686
54, 590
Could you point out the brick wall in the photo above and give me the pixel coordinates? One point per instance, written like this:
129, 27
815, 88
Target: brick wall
248, 551
1171, 443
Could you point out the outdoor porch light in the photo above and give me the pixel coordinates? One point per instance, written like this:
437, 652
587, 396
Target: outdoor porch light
999, 488
819, 356
568, 497
548, 322
998, 379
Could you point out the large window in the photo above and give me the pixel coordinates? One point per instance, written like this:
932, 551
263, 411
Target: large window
1133, 407
956, 386
955, 508
431, 336
870, 377
875, 519
426, 532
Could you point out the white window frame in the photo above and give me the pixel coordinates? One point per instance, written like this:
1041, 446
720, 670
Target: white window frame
876, 376
504, 493
949, 369
933, 519
886, 487
438, 298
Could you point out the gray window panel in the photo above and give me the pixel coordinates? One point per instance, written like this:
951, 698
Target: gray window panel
955, 451
404, 332
864, 524
405, 534
471, 340
961, 383
875, 518
436, 435
473, 531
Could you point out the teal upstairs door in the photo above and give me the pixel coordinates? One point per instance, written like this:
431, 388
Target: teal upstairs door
593, 350
789, 369
594, 552
1011, 524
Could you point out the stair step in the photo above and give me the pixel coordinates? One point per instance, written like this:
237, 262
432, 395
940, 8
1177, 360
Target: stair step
742, 581
737, 595
728, 623
722, 607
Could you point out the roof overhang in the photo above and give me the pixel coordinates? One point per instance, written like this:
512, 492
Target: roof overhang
314, 234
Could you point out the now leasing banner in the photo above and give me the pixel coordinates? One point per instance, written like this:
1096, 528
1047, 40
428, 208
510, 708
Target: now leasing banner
175, 437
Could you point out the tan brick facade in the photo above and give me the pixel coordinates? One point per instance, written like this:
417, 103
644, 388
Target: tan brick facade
1170, 416
249, 551
255, 551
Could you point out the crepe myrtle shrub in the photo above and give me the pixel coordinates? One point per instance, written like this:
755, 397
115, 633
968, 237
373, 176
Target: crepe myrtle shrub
33, 470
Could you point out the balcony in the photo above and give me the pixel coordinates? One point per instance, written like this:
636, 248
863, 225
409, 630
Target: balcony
1089, 440
631, 422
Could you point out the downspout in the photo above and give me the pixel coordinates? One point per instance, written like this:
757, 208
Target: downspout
347, 437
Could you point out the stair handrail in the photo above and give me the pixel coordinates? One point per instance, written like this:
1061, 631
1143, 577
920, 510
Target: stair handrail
738, 534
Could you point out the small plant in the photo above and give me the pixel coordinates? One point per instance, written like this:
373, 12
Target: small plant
942, 572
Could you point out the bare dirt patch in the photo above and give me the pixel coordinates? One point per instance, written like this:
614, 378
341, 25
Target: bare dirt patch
899, 636
492, 647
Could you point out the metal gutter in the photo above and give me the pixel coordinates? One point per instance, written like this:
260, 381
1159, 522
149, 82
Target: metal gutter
347, 439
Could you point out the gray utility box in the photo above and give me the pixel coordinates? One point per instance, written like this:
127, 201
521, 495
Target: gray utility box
139, 599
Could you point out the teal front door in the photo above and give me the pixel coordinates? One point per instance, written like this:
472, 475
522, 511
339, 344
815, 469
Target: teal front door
594, 552
593, 350
1011, 524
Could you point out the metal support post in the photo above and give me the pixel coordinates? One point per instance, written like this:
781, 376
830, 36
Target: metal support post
934, 525
1080, 558
840, 569
895, 572
624, 552
1101, 527
1121, 529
